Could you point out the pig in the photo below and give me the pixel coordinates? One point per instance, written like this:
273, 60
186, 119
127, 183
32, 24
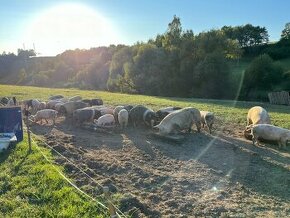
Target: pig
178, 120
123, 117
207, 118
271, 133
83, 115
163, 112
45, 114
142, 115
68, 108
256, 115
75, 98
106, 120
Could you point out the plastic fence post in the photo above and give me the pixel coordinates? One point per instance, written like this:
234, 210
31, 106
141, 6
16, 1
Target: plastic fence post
111, 207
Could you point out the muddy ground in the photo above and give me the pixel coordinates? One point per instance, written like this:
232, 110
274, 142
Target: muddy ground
218, 175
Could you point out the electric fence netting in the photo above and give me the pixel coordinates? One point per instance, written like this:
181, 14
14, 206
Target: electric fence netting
114, 211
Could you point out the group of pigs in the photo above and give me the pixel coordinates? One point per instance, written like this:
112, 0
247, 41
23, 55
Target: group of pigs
166, 121
259, 128
169, 120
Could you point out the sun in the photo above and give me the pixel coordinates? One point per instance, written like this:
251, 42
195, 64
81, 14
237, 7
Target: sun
69, 26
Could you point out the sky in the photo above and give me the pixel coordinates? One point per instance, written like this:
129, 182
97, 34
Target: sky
53, 26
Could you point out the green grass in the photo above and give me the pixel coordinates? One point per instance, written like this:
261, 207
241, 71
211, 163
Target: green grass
31, 187
229, 111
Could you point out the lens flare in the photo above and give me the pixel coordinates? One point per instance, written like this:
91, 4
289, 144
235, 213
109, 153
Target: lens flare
69, 26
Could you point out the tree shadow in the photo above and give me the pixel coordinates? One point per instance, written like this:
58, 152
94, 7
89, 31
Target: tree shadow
21, 162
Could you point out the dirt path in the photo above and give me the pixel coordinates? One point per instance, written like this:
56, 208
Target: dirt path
205, 176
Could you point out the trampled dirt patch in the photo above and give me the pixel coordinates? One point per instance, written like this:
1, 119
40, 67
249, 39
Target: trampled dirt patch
205, 176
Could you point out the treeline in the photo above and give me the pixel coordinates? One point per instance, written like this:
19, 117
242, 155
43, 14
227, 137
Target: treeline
175, 63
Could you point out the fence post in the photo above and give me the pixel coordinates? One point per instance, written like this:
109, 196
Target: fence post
112, 209
26, 114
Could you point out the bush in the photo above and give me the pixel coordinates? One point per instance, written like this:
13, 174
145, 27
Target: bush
262, 75
40, 79
277, 52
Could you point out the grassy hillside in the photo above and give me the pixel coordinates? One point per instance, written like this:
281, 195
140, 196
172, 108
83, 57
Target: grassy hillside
31, 187
229, 111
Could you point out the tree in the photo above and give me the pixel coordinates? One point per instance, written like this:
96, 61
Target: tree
146, 72
262, 75
215, 41
280, 49
22, 76
172, 37
7, 62
41, 79
247, 35
117, 70
25, 54
211, 77
285, 35
62, 72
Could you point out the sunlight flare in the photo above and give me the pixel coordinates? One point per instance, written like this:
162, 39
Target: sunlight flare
69, 26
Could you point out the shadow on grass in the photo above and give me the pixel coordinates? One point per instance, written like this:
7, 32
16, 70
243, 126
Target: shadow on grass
21, 162
6, 153
4, 156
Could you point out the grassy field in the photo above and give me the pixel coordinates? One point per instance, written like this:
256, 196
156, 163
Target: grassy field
31, 187
229, 111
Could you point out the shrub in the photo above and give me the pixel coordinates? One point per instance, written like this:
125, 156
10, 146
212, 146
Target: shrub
262, 75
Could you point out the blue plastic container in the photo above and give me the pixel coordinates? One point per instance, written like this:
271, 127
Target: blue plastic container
11, 121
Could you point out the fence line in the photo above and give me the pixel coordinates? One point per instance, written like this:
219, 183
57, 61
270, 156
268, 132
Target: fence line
68, 161
120, 163
70, 182
119, 213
